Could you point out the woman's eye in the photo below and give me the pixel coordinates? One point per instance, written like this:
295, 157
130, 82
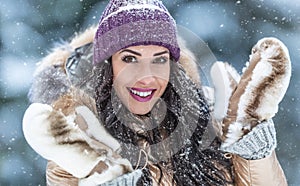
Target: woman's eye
160, 60
129, 59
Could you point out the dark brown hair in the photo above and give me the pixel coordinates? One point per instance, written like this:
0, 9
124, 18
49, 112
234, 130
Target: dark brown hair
191, 164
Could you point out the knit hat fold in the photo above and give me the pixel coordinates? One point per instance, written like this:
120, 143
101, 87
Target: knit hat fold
131, 23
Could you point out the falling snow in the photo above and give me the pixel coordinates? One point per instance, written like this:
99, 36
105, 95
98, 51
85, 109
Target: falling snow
230, 29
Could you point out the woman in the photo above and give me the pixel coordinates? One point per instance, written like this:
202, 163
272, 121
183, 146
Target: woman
140, 116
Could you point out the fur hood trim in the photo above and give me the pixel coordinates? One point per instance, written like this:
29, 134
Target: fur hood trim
61, 52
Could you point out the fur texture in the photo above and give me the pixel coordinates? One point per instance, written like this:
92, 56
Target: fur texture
50, 73
62, 141
48, 85
257, 95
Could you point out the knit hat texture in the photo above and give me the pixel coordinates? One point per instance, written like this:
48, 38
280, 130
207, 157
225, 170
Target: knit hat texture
126, 23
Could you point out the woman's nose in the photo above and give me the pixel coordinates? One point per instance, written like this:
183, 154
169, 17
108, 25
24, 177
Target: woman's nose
147, 80
146, 75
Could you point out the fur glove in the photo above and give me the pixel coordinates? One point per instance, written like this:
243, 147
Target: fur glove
84, 150
244, 105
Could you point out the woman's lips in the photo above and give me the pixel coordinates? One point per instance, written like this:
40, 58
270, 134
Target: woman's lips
141, 94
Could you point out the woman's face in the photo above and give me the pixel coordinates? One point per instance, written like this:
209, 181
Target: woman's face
141, 74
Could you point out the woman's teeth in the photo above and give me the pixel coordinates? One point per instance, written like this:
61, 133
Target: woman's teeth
141, 94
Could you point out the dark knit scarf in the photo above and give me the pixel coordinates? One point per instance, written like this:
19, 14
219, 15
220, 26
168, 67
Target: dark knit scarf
172, 131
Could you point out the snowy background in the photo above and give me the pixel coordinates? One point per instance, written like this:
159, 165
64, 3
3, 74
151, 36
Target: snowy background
30, 28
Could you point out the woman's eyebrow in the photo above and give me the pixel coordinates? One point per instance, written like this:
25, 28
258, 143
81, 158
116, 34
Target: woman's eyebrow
161, 53
131, 51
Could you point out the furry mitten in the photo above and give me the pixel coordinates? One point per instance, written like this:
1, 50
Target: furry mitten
74, 147
242, 103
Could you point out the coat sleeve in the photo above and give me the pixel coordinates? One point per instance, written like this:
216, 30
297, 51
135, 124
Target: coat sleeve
266, 171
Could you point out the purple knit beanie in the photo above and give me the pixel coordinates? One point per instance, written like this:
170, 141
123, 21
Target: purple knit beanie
126, 23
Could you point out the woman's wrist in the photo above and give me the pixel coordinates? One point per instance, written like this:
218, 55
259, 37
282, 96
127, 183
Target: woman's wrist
257, 144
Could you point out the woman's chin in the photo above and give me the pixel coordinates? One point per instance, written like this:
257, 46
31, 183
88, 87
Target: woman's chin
140, 110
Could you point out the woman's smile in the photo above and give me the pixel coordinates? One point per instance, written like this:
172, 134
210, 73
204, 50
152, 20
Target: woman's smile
141, 94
